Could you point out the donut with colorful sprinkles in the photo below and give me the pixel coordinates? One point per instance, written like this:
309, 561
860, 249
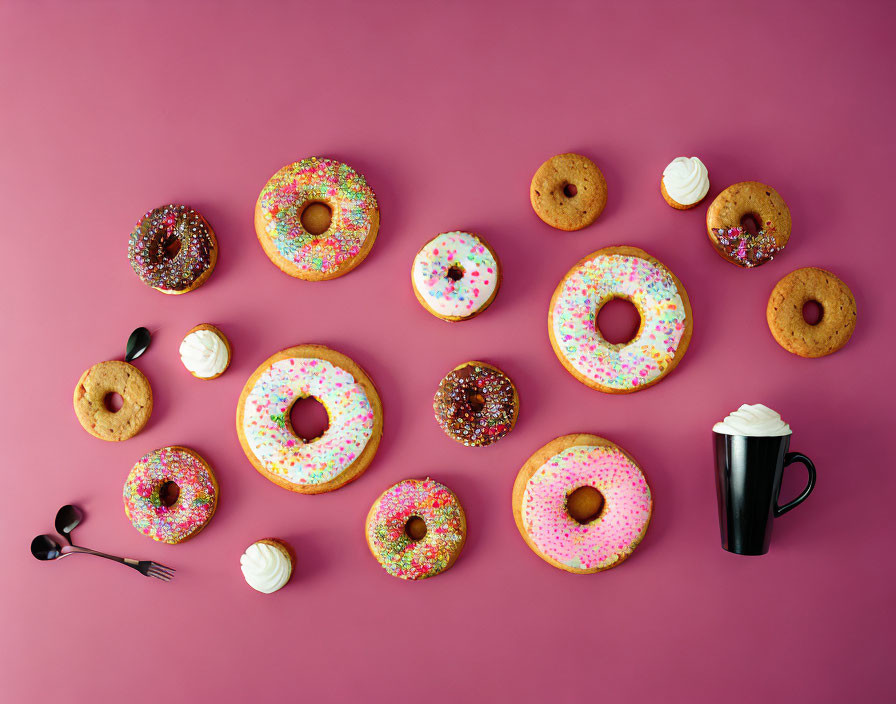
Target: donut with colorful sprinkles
173, 249
456, 276
416, 528
306, 465
335, 244
727, 222
582, 503
660, 299
476, 404
171, 494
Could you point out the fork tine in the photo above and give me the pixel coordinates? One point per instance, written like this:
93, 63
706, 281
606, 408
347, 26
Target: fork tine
157, 566
158, 574
164, 567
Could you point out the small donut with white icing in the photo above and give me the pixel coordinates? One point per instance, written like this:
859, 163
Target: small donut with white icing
456, 276
582, 503
346, 448
267, 565
685, 182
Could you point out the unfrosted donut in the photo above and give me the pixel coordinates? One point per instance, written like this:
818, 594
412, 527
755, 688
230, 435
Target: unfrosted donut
548, 480
353, 406
658, 296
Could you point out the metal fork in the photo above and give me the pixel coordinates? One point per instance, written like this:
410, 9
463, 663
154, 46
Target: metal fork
145, 567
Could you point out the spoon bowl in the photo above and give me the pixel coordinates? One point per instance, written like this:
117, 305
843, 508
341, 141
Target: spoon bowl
67, 519
43, 547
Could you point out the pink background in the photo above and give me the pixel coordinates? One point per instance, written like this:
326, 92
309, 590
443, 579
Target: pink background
111, 109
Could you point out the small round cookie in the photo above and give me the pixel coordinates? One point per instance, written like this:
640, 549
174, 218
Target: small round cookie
685, 182
320, 247
268, 564
171, 494
660, 299
353, 406
416, 529
732, 239
456, 276
476, 404
91, 400
582, 503
568, 192
173, 249
785, 312
205, 352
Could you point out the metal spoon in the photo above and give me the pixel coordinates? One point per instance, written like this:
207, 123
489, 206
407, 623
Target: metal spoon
67, 519
138, 342
43, 547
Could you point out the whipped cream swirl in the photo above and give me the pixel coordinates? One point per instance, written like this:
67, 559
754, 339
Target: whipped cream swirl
266, 567
204, 353
686, 180
756, 421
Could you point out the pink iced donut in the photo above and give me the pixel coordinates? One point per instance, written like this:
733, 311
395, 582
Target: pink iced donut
582, 504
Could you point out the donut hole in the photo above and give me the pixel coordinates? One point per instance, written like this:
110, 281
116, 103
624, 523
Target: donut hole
751, 224
113, 402
308, 419
171, 247
455, 272
618, 321
570, 190
316, 217
584, 504
813, 312
169, 492
475, 400
415, 528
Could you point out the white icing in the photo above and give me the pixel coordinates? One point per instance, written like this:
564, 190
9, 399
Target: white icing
463, 252
756, 421
686, 180
204, 353
265, 567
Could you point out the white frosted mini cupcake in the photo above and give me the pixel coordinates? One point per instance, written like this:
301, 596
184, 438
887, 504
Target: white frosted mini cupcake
685, 182
205, 352
267, 565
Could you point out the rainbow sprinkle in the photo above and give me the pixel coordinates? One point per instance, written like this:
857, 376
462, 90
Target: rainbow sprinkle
602, 542
195, 504
294, 186
445, 522
651, 288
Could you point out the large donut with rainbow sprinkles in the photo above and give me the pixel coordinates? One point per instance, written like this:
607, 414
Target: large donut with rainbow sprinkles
582, 503
345, 240
658, 296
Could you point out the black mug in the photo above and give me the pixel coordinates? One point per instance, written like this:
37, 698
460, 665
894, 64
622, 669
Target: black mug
748, 480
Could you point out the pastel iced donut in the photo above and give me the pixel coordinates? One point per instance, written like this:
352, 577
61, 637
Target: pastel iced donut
353, 406
171, 494
416, 529
582, 504
348, 236
660, 299
456, 276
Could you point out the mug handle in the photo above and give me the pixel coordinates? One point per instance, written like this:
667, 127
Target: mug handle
790, 458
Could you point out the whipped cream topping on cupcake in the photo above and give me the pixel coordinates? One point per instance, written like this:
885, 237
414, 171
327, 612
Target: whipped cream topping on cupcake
686, 180
267, 567
756, 421
204, 353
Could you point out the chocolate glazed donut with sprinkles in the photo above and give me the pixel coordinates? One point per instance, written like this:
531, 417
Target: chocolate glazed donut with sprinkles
173, 249
476, 404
